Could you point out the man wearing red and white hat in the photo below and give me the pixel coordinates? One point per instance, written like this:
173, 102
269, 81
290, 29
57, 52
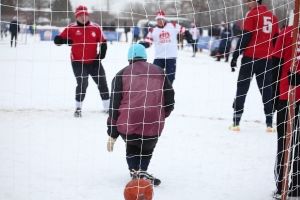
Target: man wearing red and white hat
84, 37
164, 37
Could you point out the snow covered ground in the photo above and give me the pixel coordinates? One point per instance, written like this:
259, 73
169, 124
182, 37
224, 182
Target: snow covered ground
45, 153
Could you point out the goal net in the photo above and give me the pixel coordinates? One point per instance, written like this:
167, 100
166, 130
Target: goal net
203, 66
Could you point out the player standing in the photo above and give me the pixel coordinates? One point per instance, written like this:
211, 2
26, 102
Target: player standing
260, 28
164, 38
84, 37
225, 43
283, 53
194, 31
14, 29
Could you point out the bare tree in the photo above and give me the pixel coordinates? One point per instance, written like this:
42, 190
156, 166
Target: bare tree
61, 10
205, 13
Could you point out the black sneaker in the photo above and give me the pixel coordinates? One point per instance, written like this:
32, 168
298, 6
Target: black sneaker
276, 195
77, 113
145, 175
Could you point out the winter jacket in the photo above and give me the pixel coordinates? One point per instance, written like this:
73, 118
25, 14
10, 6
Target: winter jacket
14, 27
141, 98
84, 41
283, 50
263, 26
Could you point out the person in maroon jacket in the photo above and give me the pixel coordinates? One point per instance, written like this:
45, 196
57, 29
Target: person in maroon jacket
141, 98
84, 37
260, 30
283, 57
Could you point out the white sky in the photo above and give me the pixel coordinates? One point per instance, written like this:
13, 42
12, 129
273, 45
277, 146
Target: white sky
100, 4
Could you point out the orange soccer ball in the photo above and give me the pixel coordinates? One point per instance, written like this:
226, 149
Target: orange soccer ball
138, 189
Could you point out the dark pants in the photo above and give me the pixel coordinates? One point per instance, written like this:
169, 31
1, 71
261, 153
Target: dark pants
169, 65
135, 38
139, 151
262, 70
194, 46
126, 36
276, 71
13, 37
82, 72
282, 117
224, 50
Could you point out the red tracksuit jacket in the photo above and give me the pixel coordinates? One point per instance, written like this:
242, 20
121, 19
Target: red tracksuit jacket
85, 41
263, 26
283, 49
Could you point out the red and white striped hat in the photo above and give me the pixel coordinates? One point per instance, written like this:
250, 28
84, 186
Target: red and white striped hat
81, 10
160, 15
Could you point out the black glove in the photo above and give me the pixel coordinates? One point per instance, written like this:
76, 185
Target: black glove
294, 79
233, 64
58, 40
103, 49
112, 129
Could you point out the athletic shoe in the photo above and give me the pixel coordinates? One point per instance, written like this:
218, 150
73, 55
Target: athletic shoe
290, 196
235, 128
145, 175
77, 113
277, 196
270, 129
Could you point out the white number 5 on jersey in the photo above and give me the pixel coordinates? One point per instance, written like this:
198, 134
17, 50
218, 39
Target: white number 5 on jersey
267, 28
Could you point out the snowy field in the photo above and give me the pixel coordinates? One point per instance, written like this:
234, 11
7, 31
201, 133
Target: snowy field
46, 153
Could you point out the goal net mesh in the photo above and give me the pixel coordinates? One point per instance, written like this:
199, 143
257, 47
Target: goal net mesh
39, 79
